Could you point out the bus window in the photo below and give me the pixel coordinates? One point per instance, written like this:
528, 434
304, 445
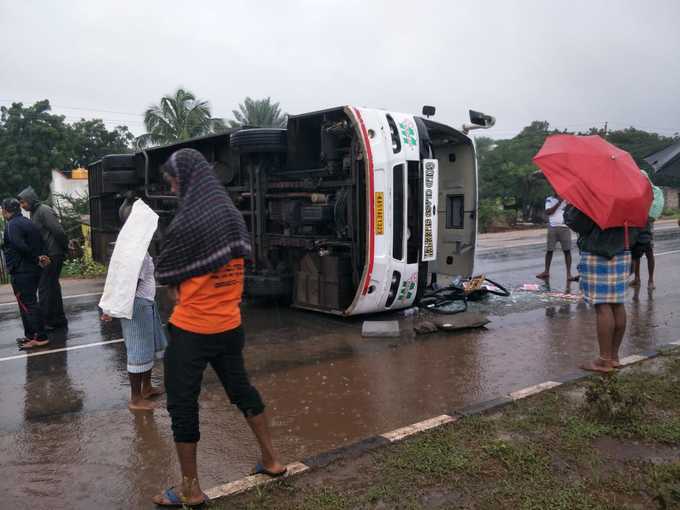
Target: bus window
455, 211
394, 132
398, 212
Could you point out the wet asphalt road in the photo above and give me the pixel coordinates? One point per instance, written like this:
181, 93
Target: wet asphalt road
67, 439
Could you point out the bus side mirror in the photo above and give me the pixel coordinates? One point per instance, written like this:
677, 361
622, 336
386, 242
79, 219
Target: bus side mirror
482, 120
429, 111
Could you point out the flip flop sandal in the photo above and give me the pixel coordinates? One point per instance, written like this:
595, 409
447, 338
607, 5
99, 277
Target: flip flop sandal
176, 501
261, 470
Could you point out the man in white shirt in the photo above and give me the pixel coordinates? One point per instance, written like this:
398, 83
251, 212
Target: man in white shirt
557, 232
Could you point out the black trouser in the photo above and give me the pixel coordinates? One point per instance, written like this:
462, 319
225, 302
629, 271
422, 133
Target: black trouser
49, 293
186, 357
25, 287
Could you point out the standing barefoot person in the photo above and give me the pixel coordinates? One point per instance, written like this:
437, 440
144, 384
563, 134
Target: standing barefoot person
203, 259
143, 334
605, 262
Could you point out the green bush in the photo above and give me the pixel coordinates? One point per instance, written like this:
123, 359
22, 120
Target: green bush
607, 401
80, 268
492, 215
670, 213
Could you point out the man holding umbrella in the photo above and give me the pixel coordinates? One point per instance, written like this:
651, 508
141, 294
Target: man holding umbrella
610, 201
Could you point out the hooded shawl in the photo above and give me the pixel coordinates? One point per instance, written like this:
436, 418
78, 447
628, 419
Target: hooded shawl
207, 231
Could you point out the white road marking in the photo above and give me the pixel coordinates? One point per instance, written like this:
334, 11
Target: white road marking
533, 390
416, 428
247, 483
666, 253
63, 349
633, 358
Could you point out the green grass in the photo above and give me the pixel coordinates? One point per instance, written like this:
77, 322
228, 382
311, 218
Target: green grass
540, 453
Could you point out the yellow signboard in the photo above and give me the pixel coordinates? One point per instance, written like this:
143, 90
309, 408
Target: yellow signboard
379, 213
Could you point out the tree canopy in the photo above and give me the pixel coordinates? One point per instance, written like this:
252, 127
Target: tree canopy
259, 113
507, 175
89, 140
178, 117
33, 142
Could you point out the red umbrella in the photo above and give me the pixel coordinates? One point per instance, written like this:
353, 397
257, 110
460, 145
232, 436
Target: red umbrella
598, 178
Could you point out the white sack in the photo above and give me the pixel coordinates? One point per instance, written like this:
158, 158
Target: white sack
126, 262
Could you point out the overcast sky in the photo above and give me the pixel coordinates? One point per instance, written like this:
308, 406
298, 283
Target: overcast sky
574, 63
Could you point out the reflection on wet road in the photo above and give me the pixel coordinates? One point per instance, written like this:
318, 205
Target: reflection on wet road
68, 441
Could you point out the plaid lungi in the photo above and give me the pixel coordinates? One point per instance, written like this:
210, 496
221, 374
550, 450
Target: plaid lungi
604, 280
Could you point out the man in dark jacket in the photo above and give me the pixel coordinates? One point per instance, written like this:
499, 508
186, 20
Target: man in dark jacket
24, 251
56, 242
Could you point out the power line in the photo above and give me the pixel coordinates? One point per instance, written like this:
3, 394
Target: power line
81, 108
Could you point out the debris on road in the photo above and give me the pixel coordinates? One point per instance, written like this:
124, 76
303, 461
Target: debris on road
380, 329
461, 321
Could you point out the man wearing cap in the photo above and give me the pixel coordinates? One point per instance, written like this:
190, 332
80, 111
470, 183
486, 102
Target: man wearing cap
56, 243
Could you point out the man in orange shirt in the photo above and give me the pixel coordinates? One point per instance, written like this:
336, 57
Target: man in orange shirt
203, 260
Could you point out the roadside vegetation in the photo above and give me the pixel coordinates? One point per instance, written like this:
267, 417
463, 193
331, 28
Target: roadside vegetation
82, 268
671, 214
609, 443
510, 190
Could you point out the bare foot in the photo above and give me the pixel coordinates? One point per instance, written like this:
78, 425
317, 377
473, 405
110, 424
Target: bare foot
141, 405
615, 363
33, 344
543, 276
153, 392
634, 283
598, 365
650, 285
571, 278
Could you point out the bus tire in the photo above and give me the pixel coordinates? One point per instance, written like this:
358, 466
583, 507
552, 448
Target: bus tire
254, 140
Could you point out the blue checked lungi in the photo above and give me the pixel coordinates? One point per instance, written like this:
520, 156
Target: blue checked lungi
144, 336
604, 280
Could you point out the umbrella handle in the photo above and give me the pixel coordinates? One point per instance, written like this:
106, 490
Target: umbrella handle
626, 239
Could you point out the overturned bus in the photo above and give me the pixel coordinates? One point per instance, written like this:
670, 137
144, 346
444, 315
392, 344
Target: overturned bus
350, 209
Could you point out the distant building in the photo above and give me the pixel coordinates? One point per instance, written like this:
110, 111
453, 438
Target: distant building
671, 197
71, 184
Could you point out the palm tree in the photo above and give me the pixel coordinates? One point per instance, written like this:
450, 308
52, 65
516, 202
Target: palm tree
176, 118
259, 113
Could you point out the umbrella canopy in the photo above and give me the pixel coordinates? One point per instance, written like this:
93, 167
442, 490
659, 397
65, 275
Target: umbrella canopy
598, 178
666, 161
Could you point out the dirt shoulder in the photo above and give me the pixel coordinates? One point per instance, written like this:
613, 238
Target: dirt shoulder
604, 443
